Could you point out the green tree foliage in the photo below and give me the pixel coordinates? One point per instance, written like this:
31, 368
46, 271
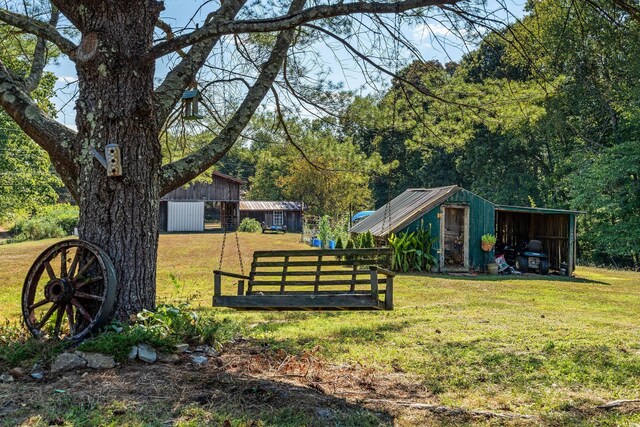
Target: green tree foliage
27, 180
544, 113
608, 188
331, 177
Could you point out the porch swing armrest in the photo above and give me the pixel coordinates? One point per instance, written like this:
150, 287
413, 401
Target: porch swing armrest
383, 270
234, 275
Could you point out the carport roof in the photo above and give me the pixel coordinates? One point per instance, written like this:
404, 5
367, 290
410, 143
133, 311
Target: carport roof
507, 208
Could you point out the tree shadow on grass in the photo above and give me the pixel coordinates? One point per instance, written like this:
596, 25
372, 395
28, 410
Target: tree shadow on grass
507, 278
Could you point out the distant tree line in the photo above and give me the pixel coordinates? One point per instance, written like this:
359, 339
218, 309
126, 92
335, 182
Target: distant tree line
545, 113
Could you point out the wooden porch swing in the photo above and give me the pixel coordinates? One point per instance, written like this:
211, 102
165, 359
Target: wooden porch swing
316, 279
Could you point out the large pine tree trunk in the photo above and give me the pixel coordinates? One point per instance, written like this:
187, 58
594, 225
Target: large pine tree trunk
120, 214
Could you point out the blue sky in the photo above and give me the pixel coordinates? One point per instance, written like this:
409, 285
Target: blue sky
432, 39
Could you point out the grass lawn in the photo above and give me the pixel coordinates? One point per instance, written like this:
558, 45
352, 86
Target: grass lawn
551, 347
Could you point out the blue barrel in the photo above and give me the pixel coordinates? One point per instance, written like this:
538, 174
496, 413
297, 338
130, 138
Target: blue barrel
332, 244
316, 243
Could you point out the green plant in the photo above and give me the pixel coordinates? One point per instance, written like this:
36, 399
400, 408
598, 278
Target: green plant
19, 348
489, 239
325, 232
249, 225
49, 222
368, 241
339, 243
412, 250
163, 329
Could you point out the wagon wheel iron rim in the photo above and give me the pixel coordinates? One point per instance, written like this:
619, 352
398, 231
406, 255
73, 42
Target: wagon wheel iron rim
69, 291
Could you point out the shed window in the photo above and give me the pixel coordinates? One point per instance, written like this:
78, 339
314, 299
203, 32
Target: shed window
278, 218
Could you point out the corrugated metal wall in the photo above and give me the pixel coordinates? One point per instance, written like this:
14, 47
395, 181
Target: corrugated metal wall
185, 216
481, 221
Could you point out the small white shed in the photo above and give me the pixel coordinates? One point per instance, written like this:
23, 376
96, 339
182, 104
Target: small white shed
185, 216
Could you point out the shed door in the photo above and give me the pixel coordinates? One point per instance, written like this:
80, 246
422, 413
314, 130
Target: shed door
454, 238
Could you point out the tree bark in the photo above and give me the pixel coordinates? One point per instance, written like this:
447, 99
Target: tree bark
115, 106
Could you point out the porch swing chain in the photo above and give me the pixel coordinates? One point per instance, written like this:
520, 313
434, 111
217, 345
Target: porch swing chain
239, 252
386, 220
224, 240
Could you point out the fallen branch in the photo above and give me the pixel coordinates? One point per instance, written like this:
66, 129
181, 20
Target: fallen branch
617, 403
446, 410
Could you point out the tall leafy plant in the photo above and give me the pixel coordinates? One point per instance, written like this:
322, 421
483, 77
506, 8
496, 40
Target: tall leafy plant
412, 250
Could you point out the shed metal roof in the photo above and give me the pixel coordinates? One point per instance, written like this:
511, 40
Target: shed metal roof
403, 210
508, 208
247, 205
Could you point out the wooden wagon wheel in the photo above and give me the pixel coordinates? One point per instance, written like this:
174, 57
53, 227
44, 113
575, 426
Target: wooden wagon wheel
69, 291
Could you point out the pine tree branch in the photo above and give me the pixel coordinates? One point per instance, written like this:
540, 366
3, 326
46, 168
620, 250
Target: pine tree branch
633, 9
40, 29
168, 94
182, 171
217, 28
40, 56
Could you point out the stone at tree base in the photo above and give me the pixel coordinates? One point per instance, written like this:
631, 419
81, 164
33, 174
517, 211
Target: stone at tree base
146, 353
210, 351
182, 348
37, 372
67, 362
6, 378
99, 361
199, 360
17, 373
133, 353
168, 358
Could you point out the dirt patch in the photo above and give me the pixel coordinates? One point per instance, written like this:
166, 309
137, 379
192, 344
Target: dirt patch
247, 379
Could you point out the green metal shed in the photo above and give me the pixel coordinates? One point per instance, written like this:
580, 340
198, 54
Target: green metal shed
459, 218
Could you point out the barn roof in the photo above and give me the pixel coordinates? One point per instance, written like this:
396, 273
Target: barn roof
403, 210
247, 205
229, 177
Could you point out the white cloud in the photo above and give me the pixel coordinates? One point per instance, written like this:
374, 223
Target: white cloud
427, 31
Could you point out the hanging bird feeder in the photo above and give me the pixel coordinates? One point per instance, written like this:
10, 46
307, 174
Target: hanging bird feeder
190, 101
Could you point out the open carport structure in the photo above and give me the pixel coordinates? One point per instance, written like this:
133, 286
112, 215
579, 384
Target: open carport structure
458, 219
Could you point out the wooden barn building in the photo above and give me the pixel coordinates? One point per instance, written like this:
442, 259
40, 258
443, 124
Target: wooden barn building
276, 214
202, 205
458, 219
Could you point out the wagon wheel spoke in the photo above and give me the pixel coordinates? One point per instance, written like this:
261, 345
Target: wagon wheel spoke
63, 262
70, 317
81, 292
59, 317
38, 304
88, 296
49, 269
74, 263
86, 266
81, 310
46, 316
88, 282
